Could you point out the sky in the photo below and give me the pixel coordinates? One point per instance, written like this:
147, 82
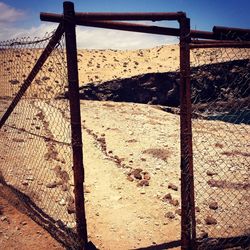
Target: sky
19, 18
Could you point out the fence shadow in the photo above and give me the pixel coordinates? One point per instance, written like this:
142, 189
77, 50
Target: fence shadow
67, 237
168, 245
243, 242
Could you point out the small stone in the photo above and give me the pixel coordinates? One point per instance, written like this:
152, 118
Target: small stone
24, 223
30, 178
146, 176
198, 221
167, 197
136, 173
203, 235
62, 202
197, 209
210, 173
142, 183
143, 192
86, 190
178, 211
25, 183
51, 185
5, 218
130, 178
174, 202
210, 220
170, 215
71, 208
173, 187
213, 205
65, 187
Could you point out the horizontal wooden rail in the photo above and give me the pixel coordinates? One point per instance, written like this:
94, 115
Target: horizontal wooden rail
220, 45
243, 34
87, 16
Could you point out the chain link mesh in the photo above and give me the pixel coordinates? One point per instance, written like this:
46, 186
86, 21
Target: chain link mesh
221, 135
36, 159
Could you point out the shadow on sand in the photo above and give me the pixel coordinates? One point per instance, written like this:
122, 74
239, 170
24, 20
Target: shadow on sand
57, 229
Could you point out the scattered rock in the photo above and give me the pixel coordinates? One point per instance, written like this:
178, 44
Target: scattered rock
62, 202
203, 235
136, 173
30, 178
210, 173
14, 81
142, 183
51, 185
170, 215
25, 183
65, 187
197, 209
198, 221
5, 218
86, 189
210, 220
174, 202
213, 205
167, 197
130, 178
146, 176
173, 187
71, 208
178, 211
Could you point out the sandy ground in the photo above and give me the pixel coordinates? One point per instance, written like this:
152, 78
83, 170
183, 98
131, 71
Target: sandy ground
131, 159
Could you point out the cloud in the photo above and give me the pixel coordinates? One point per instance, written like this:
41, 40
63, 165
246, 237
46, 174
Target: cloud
94, 38
104, 39
9, 14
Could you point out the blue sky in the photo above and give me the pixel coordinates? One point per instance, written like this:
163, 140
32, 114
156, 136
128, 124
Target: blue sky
22, 18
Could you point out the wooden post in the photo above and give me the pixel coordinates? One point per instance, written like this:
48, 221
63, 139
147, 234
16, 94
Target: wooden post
188, 229
75, 116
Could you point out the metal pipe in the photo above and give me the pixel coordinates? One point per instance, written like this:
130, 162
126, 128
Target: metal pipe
232, 33
75, 119
200, 41
220, 45
188, 227
202, 34
42, 59
131, 27
141, 16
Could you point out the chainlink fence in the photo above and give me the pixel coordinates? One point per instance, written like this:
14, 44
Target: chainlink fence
221, 135
36, 161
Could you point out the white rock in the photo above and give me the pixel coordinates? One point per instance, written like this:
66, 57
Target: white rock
62, 202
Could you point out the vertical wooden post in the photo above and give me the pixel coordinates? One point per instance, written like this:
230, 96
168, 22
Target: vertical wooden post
188, 229
75, 116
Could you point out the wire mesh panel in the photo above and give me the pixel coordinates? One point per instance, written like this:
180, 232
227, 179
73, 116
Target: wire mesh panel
37, 162
221, 135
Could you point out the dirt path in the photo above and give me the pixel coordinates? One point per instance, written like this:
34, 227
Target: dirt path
17, 230
131, 159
